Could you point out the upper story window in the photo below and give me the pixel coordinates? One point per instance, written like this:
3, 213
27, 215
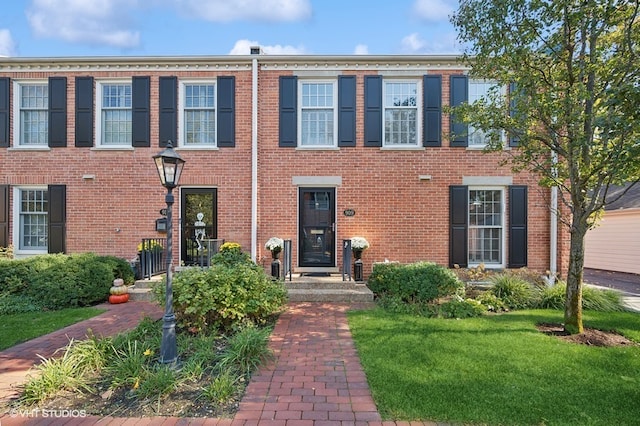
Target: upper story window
479, 90
198, 118
31, 228
317, 114
114, 123
401, 113
32, 100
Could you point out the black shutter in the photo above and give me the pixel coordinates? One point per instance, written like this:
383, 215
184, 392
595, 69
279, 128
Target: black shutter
432, 110
514, 138
517, 226
288, 137
347, 110
5, 112
140, 126
4, 215
168, 110
226, 102
373, 110
57, 218
57, 112
84, 112
459, 94
458, 209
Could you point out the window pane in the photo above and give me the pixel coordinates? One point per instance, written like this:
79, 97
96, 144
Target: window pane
199, 114
317, 114
485, 226
400, 114
116, 114
33, 219
34, 117
478, 90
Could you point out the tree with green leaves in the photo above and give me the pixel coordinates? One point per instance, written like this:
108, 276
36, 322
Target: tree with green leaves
573, 69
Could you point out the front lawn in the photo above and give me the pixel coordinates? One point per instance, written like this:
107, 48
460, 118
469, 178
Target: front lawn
18, 328
498, 369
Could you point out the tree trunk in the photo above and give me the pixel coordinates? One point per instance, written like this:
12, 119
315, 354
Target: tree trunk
573, 303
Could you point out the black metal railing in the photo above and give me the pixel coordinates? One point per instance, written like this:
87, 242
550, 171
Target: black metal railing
346, 259
286, 264
151, 256
210, 247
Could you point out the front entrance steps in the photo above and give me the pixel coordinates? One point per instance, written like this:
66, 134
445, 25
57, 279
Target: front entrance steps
301, 288
327, 288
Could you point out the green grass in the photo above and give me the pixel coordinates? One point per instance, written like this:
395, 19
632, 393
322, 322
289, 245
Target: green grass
18, 328
498, 370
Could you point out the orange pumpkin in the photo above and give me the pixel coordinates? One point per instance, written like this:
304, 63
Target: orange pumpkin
118, 298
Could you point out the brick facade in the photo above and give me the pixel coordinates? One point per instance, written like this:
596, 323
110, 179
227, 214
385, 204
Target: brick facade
400, 196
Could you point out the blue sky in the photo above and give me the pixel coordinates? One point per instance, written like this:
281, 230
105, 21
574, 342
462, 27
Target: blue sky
54, 28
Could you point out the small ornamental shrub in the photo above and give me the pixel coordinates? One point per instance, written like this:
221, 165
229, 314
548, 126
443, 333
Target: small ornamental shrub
595, 299
420, 282
514, 292
224, 295
231, 254
461, 308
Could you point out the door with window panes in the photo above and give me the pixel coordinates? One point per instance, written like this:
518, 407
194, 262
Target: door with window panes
316, 239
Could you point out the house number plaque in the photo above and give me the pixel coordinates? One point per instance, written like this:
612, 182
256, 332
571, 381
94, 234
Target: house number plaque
349, 212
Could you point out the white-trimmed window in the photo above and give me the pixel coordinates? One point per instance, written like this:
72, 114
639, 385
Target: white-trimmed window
318, 114
32, 101
198, 113
114, 120
401, 113
486, 226
478, 90
31, 206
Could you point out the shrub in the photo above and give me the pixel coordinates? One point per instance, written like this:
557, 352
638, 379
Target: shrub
420, 282
231, 254
491, 302
461, 308
595, 299
514, 292
17, 304
120, 268
223, 295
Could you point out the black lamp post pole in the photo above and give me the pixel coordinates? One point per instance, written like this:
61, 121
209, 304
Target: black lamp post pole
168, 350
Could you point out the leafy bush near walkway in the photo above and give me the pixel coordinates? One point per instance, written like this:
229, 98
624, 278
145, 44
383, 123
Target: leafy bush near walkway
57, 281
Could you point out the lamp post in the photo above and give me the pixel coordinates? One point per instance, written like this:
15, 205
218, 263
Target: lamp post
169, 166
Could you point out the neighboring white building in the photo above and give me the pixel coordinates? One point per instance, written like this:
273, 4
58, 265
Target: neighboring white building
615, 244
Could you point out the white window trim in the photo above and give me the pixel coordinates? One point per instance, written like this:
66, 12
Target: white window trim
503, 236
17, 139
17, 232
181, 126
98, 115
334, 145
419, 103
503, 93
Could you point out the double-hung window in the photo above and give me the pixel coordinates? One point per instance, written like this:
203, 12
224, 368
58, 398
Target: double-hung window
401, 113
479, 90
33, 104
486, 226
31, 209
198, 118
115, 114
317, 116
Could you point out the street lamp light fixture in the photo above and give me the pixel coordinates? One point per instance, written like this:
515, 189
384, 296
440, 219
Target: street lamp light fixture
169, 165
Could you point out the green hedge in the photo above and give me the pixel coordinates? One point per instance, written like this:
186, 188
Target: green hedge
57, 281
420, 282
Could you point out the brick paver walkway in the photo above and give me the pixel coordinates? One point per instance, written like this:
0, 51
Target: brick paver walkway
315, 378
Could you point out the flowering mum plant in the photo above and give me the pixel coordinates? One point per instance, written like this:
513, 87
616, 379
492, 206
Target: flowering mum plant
274, 244
359, 243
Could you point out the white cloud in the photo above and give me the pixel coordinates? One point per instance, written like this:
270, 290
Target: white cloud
445, 43
98, 22
434, 10
361, 49
247, 10
242, 47
7, 45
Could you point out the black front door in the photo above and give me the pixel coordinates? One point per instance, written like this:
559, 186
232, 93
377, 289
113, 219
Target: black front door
199, 222
317, 227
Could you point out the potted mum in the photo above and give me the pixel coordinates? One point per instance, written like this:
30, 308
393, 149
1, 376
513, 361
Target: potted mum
275, 246
358, 245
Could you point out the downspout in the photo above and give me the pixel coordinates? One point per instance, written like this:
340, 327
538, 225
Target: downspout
254, 155
553, 226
